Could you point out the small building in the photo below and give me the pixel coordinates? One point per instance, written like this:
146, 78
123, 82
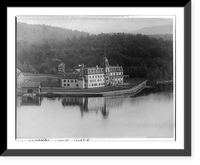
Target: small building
61, 68
72, 80
20, 78
31, 87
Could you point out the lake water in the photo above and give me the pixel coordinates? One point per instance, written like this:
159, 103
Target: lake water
147, 115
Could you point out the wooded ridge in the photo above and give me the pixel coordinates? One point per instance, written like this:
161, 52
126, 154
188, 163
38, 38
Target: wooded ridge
40, 49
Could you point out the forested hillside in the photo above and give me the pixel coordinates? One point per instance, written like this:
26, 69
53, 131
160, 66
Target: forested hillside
140, 55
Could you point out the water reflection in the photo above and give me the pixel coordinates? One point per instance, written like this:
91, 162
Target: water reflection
149, 115
93, 104
86, 104
30, 101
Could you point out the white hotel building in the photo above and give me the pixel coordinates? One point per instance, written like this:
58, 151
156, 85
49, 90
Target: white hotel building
92, 77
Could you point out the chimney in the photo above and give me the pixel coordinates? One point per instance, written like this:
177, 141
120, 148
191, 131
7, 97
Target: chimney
97, 67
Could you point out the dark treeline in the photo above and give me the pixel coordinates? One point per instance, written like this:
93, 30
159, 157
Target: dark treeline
140, 55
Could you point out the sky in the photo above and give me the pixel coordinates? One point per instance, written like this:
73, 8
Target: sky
96, 24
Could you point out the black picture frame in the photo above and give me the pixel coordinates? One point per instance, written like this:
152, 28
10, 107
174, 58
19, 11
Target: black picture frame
128, 152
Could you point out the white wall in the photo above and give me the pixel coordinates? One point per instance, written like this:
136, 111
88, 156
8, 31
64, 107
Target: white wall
95, 80
70, 83
73, 83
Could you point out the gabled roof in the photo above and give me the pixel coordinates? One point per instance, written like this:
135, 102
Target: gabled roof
18, 72
70, 76
115, 68
30, 84
61, 64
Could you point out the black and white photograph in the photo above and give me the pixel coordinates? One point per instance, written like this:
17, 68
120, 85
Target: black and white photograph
98, 81
95, 77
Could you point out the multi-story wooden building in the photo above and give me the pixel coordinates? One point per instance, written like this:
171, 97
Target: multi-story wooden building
92, 77
72, 80
115, 74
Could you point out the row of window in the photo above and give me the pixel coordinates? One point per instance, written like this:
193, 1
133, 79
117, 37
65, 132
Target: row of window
111, 73
116, 73
94, 70
68, 85
115, 69
97, 76
96, 84
69, 81
115, 78
95, 80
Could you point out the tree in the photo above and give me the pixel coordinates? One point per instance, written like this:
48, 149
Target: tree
140, 55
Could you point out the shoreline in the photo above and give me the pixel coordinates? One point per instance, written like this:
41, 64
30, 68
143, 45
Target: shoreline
94, 92
133, 90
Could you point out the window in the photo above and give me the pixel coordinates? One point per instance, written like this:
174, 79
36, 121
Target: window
77, 85
29, 90
75, 81
64, 80
68, 85
65, 85
71, 80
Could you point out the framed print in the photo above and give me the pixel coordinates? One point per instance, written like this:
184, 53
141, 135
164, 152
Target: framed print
98, 81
